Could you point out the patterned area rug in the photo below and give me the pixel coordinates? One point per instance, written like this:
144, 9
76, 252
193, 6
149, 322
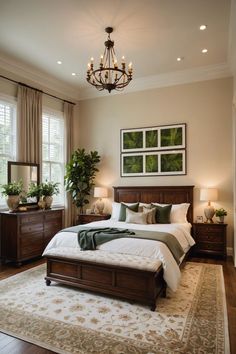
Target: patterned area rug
67, 320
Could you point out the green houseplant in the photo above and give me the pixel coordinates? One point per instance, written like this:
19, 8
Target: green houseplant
221, 213
80, 174
13, 191
45, 192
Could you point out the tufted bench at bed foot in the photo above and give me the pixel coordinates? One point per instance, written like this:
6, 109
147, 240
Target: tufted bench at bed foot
123, 275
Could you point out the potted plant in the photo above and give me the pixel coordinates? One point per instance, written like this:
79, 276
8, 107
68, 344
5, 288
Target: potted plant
12, 190
34, 191
46, 192
221, 213
80, 174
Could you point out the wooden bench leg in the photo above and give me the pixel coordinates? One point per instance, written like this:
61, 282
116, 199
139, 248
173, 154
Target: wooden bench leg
48, 282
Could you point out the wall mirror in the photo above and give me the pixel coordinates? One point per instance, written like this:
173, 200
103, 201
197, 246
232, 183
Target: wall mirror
27, 172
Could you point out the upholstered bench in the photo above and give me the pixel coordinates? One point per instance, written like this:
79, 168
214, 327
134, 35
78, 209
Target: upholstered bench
126, 276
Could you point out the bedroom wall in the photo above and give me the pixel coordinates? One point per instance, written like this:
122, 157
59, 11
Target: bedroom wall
206, 107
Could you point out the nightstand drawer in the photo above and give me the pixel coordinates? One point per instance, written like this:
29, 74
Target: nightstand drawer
211, 237
210, 246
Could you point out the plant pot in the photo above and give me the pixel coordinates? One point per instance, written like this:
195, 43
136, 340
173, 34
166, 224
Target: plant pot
221, 219
48, 201
13, 202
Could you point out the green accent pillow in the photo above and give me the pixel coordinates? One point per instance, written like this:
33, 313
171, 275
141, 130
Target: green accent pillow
123, 207
163, 214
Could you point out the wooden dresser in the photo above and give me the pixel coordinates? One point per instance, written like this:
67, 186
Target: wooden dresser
24, 235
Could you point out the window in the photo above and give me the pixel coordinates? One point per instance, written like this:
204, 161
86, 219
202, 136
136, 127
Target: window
7, 140
53, 167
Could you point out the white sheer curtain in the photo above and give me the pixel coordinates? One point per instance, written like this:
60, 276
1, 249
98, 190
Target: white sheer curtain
29, 125
68, 116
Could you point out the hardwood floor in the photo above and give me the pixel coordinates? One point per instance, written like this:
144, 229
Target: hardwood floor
11, 345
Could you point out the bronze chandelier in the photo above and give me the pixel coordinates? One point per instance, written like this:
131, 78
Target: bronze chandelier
109, 76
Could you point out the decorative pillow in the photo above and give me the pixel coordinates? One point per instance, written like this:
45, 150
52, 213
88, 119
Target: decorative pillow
163, 214
151, 215
142, 205
115, 211
178, 212
135, 217
123, 207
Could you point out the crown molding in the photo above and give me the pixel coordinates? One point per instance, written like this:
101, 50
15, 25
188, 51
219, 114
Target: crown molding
210, 72
43, 81
21, 72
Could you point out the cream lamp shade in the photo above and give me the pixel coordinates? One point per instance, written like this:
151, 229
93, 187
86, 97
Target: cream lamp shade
209, 195
100, 192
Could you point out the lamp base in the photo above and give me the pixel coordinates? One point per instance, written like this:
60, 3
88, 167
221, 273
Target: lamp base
99, 207
209, 212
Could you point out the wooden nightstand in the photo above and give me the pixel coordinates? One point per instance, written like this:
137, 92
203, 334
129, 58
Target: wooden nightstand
210, 239
86, 218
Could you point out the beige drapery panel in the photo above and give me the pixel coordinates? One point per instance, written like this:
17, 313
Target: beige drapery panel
68, 117
29, 127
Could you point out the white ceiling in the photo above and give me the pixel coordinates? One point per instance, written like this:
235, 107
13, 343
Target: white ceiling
150, 33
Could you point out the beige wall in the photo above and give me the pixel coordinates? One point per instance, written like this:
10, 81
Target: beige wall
206, 107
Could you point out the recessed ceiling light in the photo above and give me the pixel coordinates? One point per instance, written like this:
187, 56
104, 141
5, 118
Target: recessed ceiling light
204, 50
180, 58
59, 62
203, 27
73, 74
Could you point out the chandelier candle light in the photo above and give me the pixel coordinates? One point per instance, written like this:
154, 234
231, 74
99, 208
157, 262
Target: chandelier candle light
100, 192
109, 76
209, 195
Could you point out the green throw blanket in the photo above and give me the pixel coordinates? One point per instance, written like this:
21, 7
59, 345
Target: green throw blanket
90, 238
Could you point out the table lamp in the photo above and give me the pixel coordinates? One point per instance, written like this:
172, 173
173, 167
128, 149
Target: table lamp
100, 192
209, 195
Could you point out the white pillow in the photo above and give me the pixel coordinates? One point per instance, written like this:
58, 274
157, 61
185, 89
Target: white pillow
135, 217
115, 211
178, 212
115, 214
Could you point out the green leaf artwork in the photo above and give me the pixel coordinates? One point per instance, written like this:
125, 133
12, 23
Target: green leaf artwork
133, 164
133, 140
171, 137
151, 164
172, 162
151, 138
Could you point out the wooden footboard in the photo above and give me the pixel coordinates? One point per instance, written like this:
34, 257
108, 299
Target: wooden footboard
127, 283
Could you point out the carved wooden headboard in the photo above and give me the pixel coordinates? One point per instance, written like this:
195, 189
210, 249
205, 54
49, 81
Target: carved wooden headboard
156, 194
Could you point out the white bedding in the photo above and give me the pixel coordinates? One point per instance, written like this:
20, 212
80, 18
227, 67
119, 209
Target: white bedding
139, 247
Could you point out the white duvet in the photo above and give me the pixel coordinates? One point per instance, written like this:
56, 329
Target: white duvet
140, 247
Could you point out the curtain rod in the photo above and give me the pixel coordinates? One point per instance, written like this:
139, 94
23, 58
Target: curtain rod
45, 93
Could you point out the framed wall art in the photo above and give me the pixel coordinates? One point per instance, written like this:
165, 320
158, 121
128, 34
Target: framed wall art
161, 163
153, 151
153, 138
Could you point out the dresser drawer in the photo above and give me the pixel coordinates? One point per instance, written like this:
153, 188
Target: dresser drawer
53, 224
28, 219
31, 245
31, 228
57, 214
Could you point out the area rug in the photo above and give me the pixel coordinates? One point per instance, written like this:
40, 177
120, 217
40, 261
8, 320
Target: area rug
68, 320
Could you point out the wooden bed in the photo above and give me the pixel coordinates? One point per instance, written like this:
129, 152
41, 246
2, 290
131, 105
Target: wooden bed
123, 282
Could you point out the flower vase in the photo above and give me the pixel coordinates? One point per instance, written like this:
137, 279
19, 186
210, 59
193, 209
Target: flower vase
13, 202
48, 200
